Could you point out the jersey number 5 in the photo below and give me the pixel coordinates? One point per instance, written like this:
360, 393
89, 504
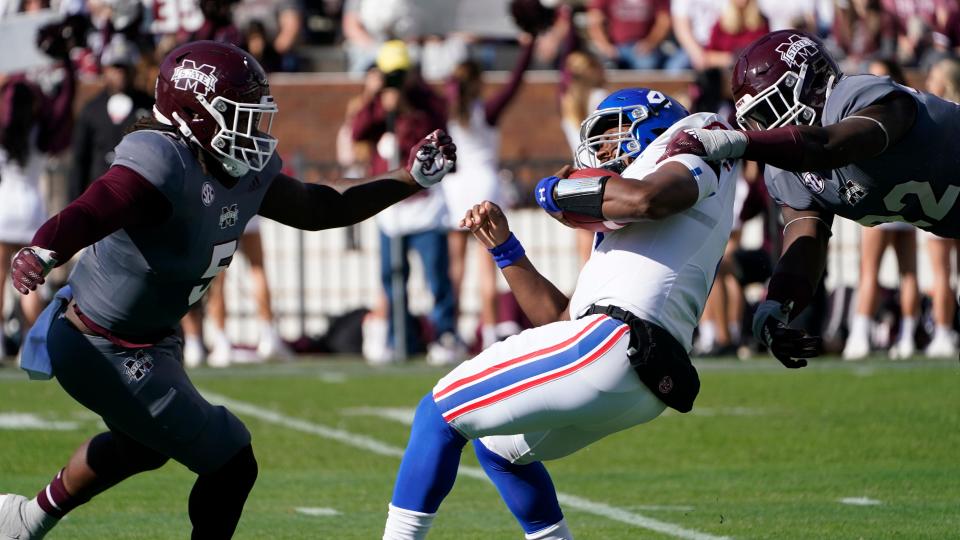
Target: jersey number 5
219, 260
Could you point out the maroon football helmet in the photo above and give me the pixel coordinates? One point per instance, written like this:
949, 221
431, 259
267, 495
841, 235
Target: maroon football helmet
217, 96
783, 78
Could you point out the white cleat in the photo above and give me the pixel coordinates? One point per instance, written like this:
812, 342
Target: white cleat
271, 346
903, 349
220, 357
857, 348
19, 522
942, 346
448, 350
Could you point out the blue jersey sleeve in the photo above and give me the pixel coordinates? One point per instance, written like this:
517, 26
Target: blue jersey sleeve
156, 157
857, 92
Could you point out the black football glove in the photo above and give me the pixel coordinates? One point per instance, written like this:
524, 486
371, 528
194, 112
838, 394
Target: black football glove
790, 346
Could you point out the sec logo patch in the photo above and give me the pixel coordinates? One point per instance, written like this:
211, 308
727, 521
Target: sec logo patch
207, 194
814, 182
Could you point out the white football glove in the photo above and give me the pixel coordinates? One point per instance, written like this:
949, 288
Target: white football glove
432, 158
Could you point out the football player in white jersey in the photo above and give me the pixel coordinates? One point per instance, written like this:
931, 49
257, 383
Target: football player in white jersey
612, 356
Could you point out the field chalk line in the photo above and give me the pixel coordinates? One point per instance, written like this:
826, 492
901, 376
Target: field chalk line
383, 449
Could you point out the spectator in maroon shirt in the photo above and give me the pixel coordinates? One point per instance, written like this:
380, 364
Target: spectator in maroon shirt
740, 24
629, 33
864, 30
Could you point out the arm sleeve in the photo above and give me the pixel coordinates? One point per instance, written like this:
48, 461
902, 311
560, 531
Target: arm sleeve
705, 175
495, 106
119, 199
155, 157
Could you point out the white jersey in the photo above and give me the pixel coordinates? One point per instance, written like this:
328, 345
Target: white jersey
662, 271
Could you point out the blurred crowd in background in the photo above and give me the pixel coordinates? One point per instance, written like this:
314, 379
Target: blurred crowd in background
421, 63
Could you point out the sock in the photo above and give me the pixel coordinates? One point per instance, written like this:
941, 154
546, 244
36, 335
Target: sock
526, 489
54, 499
192, 341
219, 339
734, 329
860, 327
908, 325
557, 531
406, 524
708, 335
430, 462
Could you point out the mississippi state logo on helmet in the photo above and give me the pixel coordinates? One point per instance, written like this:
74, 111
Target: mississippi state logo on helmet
217, 96
783, 78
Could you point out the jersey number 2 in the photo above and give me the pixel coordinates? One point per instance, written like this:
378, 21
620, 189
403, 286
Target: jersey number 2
219, 260
933, 208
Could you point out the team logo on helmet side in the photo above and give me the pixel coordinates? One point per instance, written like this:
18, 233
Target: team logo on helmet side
797, 51
200, 80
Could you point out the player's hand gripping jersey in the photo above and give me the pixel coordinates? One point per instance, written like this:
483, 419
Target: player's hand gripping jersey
662, 270
914, 180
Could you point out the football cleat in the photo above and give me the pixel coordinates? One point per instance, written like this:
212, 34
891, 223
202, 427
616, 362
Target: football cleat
18, 521
856, 348
447, 350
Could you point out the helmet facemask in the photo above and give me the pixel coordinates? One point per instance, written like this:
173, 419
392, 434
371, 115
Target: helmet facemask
779, 104
595, 134
243, 142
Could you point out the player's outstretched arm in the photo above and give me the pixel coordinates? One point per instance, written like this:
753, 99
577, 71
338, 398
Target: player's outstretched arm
347, 201
794, 282
119, 199
861, 135
539, 299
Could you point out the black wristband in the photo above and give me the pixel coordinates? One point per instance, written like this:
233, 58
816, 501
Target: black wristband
582, 195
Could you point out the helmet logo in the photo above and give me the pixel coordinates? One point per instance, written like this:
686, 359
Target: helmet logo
797, 51
200, 80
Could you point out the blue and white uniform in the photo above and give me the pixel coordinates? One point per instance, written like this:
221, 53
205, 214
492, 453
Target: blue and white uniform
551, 390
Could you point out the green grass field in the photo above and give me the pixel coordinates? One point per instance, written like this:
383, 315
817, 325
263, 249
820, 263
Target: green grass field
767, 453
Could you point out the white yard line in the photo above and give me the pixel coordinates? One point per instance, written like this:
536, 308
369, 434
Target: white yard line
377, 447
16, 420
860, 501
317, 512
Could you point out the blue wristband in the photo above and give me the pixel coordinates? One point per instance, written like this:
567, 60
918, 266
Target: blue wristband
507, 253
544, 194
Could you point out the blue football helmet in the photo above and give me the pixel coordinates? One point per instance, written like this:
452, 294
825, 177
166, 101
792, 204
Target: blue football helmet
640, 116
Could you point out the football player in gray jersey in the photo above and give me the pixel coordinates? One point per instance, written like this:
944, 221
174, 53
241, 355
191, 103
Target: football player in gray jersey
162, 222
861, 147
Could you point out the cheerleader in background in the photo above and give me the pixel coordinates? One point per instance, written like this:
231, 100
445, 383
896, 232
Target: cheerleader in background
473, 123
32, 126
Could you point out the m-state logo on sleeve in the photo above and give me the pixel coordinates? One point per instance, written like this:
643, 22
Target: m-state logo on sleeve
200, 80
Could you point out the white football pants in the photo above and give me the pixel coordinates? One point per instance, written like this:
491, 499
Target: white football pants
548, 391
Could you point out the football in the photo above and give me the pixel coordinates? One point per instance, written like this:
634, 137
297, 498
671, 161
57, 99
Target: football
591, 223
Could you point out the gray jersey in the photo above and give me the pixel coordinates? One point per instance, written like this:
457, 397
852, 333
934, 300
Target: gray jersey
141, 281
914, 180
